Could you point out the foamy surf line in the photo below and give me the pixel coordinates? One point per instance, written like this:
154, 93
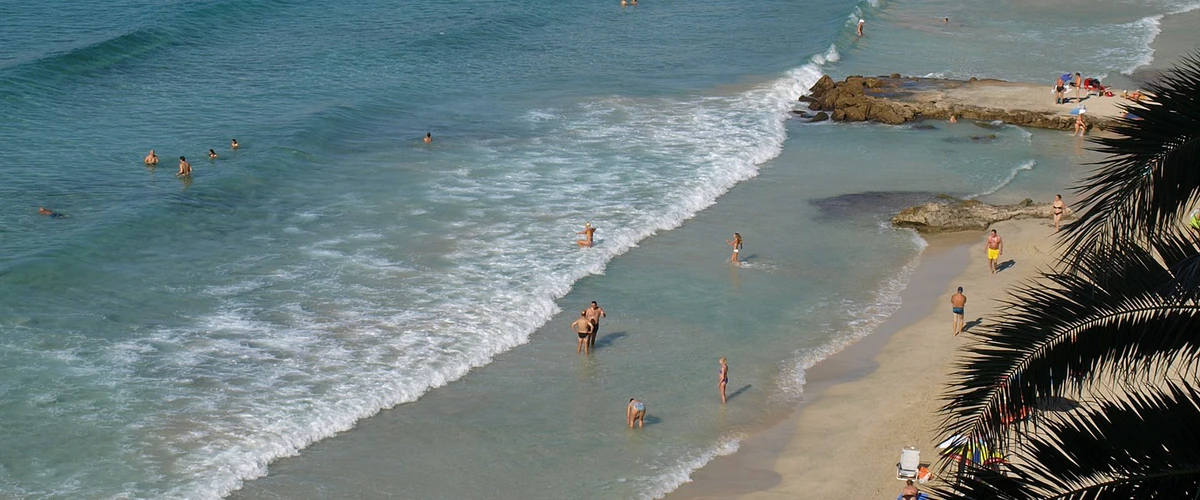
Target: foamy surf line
1012, 175
884, 303
229, 468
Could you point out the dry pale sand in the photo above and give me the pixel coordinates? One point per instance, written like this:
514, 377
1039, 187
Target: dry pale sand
881, 394
1028, 96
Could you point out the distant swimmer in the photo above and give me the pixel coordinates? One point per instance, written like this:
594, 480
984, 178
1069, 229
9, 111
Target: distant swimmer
593, 314
583, 328
51, 213
151, 159
995, 248
623, 3
957, 302
736, 243
632, 2
185, 168
428, 137
861, 22
724, 378
946, 21
587, 233
212, 155
635, 412
953, 119
1059, 207
233, 144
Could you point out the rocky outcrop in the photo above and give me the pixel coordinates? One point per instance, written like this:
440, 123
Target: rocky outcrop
968, 215
895, 100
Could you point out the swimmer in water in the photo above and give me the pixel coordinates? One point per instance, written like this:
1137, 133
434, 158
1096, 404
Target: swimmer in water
51, 213
588, 232
428, 137
635, 412
724, 378
151, 159
233, 144
212, 155
185, 168
861, 22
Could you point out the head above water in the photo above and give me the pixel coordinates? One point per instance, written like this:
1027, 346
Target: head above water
861, 21
182, 158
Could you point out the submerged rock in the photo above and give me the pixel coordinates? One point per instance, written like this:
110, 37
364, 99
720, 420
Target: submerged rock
946, 216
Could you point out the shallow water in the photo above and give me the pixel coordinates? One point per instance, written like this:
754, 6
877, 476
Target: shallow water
170, 338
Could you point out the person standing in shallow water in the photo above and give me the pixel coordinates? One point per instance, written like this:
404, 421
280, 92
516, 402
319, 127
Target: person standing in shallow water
583, 328
858, 30
736, 243
635, 412
185, 168
957, 302
724, 379
1059, 207
151, 159
593, 314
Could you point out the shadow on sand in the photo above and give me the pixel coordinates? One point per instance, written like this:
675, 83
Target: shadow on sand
1005, 265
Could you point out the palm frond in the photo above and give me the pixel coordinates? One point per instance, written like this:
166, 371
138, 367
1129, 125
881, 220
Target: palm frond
1144, 445
1062, 330
1146, 184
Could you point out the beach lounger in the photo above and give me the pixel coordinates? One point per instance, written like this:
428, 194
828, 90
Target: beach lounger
910, 461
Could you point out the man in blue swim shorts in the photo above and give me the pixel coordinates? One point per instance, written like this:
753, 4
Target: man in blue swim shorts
957, 302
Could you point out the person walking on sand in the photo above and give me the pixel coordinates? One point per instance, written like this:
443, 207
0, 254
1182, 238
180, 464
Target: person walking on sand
995, 248
736, 243
151, 159
185, 168
1059, 89
1078, 86
861, 22
593, 315
1080, 125
1059, 207
588, 232
583, 328
957, 302
724, 378
635, 412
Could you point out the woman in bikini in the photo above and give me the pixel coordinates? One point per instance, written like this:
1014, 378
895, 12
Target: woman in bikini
724, 378
737, 247
635, 412
1080, 125
1059, 207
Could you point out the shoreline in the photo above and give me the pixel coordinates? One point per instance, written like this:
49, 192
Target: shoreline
844, 440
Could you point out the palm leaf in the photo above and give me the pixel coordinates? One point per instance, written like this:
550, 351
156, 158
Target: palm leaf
1148, 182
1092, 453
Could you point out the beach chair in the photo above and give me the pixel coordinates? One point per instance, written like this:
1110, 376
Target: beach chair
910, 461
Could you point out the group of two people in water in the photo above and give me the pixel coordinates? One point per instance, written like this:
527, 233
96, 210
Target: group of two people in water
635, 411
185, 168
589, 235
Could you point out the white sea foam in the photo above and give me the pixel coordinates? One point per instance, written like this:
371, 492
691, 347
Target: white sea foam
681, 473
1150, 28
358, 323
1012, 174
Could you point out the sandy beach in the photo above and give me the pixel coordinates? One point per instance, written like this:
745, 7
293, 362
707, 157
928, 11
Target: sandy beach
882, 394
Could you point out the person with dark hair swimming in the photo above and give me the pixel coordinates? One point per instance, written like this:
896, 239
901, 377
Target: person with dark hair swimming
185, 168
428, 137
51, 213
233, 144
212, 155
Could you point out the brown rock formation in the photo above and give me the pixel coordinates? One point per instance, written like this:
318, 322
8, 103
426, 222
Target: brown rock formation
968, 215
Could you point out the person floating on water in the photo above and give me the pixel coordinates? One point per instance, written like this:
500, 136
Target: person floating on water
635, 412
861, 22
593, 314
51, 213
233, 144
587, 233
212, 155
428, 137
957, 302
185, 168
151, 159
583, 328
737, 247
723, 380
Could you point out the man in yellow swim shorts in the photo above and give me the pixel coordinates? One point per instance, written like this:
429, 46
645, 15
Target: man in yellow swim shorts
995, 247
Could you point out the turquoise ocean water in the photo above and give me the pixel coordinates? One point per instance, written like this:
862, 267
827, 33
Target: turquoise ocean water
238, 334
